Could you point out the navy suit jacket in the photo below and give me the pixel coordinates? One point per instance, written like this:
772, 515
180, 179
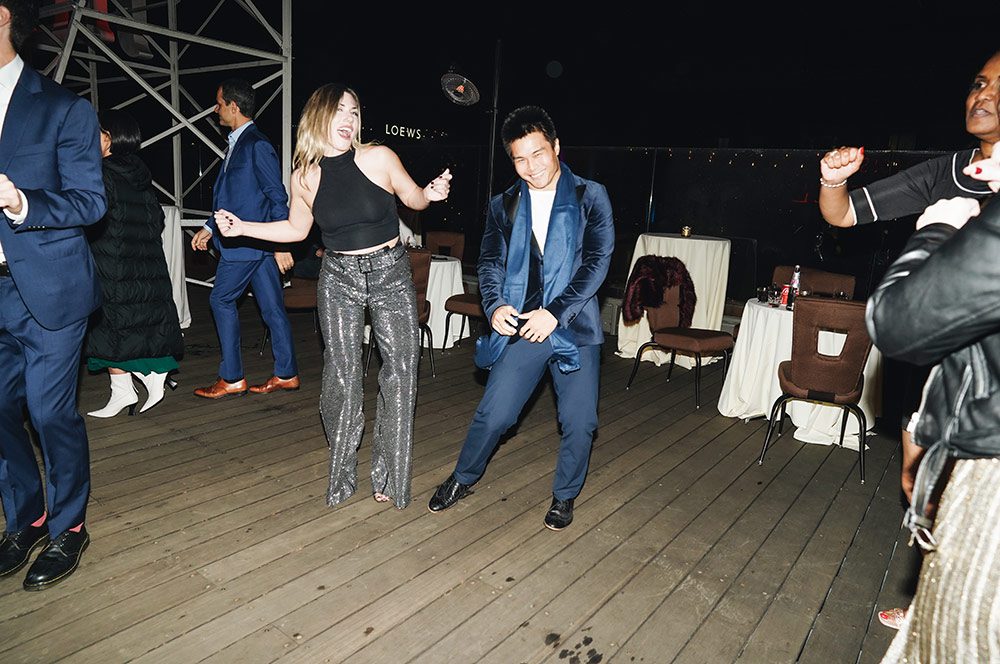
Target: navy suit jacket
250, 187
576, 308
50, 150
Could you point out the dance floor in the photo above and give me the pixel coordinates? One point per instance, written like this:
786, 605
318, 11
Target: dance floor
212, 541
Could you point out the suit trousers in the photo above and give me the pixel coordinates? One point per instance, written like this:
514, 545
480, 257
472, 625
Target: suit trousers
512, 380
39, 370
231, 280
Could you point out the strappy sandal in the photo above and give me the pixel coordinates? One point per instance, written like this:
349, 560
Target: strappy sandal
892, 618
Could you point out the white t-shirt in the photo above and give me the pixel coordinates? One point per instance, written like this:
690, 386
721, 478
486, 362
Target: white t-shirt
541, 210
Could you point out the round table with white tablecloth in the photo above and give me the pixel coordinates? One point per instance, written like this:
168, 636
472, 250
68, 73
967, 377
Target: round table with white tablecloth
444, 281
707, 261
751, 386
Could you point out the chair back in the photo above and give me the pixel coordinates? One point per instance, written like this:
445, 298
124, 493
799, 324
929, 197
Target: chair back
448, 243
827, 377
668, 314
819, 282
301, 293
420, 263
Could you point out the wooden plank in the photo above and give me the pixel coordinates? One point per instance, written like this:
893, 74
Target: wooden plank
785, 626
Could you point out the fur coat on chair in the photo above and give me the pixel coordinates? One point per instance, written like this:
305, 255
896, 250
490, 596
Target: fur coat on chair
650, 275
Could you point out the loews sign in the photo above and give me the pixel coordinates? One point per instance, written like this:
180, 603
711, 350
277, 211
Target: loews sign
403, 132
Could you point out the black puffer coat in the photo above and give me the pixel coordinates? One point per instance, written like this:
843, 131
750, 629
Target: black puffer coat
138, 318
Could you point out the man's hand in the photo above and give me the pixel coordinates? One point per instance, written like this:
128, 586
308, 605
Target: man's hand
284, 261
10, 199
504, 320
841, 163
538, 325
200, 240
952, 211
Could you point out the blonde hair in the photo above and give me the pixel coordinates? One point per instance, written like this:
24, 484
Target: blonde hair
313, 134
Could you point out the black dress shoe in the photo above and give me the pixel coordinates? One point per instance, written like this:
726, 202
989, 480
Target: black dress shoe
449, 493
57, 561
16, 548
560, 514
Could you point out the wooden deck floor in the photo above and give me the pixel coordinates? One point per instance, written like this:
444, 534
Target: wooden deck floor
211, 540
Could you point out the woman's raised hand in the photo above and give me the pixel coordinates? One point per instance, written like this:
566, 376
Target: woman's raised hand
840, 163
439, 187
228, 223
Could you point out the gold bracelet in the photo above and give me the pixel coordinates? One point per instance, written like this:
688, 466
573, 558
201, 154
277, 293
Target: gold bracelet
832, 186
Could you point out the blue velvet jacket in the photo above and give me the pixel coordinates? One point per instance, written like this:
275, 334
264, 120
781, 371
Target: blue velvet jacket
576, 308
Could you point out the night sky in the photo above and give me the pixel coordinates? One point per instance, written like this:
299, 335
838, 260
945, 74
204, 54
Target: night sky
703, 78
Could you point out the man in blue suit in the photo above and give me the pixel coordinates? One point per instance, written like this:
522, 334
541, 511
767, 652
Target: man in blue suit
545, 252
50, 188
249, 184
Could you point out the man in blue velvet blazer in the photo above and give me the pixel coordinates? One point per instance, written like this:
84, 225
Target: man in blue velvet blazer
50, 188
545, 252
249, 184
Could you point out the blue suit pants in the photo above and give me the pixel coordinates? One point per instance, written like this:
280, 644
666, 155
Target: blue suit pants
511, 382
39, 369
231, 280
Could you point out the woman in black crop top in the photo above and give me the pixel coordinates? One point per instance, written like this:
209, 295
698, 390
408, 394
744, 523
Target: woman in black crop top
349, 190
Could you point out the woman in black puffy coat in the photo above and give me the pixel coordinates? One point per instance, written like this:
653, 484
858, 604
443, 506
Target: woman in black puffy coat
136, 331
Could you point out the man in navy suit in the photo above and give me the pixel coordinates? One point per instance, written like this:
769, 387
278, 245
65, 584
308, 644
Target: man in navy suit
50, 188
249, 184
545, 252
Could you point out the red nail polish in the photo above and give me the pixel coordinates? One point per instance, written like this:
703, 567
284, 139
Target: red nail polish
978, 170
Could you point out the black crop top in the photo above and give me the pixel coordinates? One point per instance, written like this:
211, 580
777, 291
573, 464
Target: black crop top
352, 211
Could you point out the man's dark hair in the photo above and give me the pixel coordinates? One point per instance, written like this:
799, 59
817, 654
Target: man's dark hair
23, 19
126, 137
526, 120
240, 91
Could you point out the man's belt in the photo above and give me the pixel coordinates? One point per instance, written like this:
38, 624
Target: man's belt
4, 270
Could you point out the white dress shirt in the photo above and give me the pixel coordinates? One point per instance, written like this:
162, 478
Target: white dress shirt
9, 74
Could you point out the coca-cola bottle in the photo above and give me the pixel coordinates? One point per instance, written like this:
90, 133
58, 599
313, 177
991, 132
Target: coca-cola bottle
793, 286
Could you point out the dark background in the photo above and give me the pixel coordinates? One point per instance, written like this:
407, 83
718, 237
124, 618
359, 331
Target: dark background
710, 116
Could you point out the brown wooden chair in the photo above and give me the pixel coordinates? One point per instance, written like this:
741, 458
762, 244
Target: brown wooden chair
299, 295
468, 306
446, 243
826, 379
420, 263
667, 336
670, 323
816, 282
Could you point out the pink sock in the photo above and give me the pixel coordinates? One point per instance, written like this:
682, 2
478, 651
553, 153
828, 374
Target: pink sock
76, 529
40, 521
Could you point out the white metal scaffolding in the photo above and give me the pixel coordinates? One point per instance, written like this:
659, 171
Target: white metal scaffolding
165, 68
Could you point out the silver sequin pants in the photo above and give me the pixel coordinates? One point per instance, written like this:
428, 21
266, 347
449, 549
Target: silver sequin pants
382, 281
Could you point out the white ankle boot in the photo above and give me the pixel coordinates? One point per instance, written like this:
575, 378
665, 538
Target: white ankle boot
154, 382
123, 395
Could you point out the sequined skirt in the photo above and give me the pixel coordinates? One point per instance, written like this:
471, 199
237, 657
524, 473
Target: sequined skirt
955, 615
382, 282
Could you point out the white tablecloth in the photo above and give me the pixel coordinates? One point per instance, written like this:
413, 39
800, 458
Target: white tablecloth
707, 260
173, 251
751, 386
444, 281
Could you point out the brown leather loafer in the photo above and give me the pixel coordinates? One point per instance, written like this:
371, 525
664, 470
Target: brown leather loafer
274, 384
221, 388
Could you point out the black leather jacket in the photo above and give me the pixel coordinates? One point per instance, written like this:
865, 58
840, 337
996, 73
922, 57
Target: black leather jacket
939, 304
